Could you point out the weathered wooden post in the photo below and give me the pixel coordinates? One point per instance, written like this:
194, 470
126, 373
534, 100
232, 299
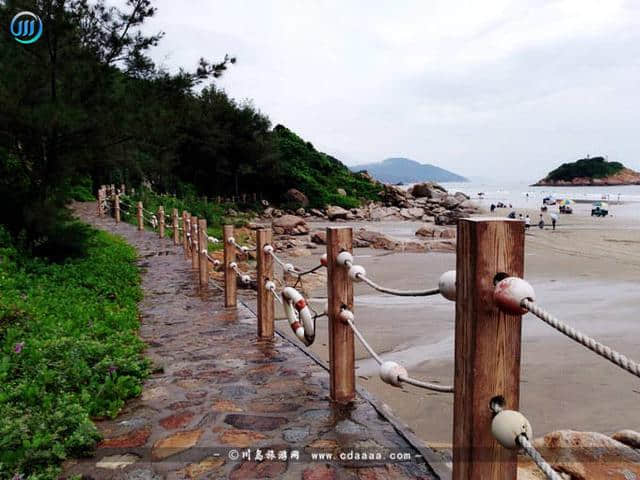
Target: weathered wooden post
161, 221
230, 290
123, 190
186, 229
112, 189
176, 226
487, 346
203, 248
195, 258
116, 207
265, 273
340, 295
140, 217
99, 202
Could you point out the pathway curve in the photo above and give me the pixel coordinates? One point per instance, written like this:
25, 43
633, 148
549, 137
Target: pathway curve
219, 393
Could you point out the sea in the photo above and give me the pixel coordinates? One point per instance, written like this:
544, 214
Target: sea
622, 200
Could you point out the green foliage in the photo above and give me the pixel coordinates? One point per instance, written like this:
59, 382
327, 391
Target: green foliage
316, 174
68, 351
81, 190
596, 167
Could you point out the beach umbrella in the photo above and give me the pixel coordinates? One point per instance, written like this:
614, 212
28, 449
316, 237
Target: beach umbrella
600, 204
566, 202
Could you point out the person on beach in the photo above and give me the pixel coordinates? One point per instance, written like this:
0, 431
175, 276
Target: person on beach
527, 222
554, 220
493, 207
541, 222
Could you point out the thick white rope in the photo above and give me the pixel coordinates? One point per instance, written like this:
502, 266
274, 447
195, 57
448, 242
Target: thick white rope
292, 270
242, 248
246, 279
530, 450
392, 291
593, 345
403, 378
272, 289
214, 261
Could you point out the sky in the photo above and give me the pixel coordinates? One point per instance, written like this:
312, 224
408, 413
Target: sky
491, 89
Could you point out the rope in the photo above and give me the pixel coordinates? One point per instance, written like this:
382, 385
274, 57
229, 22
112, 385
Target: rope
529, 449
276, 295
392, 291
243, 249
429, 386
213, 260
402, 378
593, 345
287, 267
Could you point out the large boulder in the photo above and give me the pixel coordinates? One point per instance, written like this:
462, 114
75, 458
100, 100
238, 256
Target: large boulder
427, 189
319, 237
293, 195
334, 212
290, 225
585, 456
376, 240
394, 196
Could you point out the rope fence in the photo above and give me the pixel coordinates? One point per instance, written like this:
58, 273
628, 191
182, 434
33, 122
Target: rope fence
489, 305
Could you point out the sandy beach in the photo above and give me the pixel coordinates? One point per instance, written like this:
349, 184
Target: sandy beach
586, 272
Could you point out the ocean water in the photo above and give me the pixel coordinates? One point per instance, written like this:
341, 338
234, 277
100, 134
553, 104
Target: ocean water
623, 200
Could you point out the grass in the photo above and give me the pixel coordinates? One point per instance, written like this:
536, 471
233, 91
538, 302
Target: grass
69, 352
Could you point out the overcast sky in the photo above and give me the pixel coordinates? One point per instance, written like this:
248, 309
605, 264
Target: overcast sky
483, 88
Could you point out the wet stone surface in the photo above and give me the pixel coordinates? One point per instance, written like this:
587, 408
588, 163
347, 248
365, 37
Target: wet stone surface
219, 391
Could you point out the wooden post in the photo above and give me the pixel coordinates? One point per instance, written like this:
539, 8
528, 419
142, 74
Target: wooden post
340, 294
195, 258
176, 230
487, 346
161, 221
186, 228
123, 190
99, 202
202, 252
116, 203
140, 217
230, 299
265, 273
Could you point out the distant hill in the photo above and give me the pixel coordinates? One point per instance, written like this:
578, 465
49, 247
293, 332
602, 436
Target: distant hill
591, 171
405, 170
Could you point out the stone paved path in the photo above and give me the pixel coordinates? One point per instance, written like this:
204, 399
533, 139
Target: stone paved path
219, 391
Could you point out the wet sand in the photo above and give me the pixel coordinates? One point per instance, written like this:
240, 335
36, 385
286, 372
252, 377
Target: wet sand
586, 272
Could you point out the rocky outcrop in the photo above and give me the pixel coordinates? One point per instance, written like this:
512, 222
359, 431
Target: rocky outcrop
584, 456
626, 176
335, 213
428, 190
296, 196
290, 225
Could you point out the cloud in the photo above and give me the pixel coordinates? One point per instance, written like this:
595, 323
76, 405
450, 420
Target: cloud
507, 87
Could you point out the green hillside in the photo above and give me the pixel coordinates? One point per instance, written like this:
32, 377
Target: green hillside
596, 167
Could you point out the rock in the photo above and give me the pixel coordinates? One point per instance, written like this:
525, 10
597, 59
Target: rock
196, 470
434, 231
178, 442
114, 462
628, 437
253, 422
319, 237
392, 195
268, 212
225, 406
136, 438
319, 472
301, 212
259, 470
587, 455
342, 192
318, 213
295, 434
299, 252
427, 189
290, 225
376, 240
293, 195
334, 212
277, 213
241, 438
450, 202
176, 420
462, 196
442, 246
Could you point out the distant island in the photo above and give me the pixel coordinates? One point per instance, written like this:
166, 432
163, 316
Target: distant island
594, 171
405, 170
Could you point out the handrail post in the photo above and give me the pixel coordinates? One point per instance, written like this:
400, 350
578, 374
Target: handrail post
487, 346
186, 226
195, 258
340, 295
176, 231
116, 202
230, 290
202, 252
161, 221
140, 217
100, 193
265, 273
123, 190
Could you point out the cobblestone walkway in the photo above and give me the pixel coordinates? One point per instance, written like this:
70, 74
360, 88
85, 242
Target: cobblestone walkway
219, 393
